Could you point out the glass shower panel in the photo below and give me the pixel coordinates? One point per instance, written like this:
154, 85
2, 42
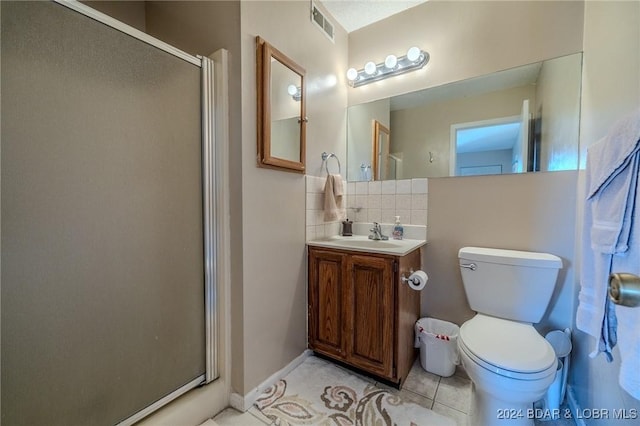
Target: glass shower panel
102, 239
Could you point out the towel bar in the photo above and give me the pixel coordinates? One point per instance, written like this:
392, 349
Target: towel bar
325, 157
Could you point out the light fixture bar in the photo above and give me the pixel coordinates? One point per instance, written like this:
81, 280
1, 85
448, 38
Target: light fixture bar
415, 59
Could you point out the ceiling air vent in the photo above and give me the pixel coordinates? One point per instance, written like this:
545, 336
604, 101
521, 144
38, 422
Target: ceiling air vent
321, 21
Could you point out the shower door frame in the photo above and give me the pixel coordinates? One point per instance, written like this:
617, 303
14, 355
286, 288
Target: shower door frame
212, 201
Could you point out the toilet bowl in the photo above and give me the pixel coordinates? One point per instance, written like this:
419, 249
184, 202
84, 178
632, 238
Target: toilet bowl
509, 363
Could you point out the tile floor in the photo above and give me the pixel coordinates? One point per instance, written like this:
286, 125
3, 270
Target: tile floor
449, 396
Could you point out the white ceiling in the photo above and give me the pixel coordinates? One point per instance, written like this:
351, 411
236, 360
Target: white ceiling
355, 14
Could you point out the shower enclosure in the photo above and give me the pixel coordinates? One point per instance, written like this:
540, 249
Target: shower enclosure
107, 218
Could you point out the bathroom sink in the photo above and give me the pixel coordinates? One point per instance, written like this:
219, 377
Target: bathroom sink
364, 244
368, 243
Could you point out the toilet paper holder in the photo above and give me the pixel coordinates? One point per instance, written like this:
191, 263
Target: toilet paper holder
408, 279
416, 280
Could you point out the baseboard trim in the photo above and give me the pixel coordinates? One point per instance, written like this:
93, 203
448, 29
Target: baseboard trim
574, 406
243, 403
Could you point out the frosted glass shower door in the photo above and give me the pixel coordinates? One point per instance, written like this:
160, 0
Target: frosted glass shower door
103, 296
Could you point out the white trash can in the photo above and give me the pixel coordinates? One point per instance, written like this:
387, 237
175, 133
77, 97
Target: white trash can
552, 397
438, 343
561, 343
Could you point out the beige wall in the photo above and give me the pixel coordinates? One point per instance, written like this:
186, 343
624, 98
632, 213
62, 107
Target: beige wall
466, 39
558, 99
611, 87
273, 202
531, 212
610, 90
130, 12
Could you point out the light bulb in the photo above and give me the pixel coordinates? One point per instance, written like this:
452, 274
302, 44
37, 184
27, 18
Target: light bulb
413, 54
370, 68
292, 89
352, 74
391, 61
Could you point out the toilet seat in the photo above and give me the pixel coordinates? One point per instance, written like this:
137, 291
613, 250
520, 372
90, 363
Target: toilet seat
507, 348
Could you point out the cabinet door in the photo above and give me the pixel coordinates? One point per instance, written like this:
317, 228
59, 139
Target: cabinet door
370, 306
326, 302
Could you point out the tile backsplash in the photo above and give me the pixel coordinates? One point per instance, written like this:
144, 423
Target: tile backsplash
377, 201
316, 226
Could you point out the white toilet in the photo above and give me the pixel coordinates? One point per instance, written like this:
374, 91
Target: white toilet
510, 364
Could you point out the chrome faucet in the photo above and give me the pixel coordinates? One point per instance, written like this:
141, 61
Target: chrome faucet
376, 232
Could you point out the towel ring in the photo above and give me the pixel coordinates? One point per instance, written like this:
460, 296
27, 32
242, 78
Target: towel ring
325, 157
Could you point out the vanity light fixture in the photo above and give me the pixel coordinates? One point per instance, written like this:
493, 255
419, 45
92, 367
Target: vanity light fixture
392, 66
295, 92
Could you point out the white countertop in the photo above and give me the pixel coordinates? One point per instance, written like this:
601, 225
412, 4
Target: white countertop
363, 244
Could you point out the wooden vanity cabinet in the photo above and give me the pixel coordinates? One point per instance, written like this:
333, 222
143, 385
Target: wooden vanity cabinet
361, 313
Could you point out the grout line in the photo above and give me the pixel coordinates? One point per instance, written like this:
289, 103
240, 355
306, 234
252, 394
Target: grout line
417, 394
435, 399
404, 389
455, 409
435, 394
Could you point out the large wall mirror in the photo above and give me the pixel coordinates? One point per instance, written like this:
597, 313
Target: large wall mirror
524, 119
281, 110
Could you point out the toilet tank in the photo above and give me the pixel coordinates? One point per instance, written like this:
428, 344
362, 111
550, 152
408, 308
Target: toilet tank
509, 284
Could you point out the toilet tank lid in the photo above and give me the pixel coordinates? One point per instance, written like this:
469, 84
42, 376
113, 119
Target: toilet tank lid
510, 257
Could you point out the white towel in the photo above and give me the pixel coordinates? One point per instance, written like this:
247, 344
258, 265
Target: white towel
333, 195
629, 318
611, 242
611, 184
606, 233
338, 186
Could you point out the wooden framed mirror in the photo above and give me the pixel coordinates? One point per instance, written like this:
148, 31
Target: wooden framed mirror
281, 110
380, 148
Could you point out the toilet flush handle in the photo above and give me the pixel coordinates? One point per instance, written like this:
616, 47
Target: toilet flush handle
471, 266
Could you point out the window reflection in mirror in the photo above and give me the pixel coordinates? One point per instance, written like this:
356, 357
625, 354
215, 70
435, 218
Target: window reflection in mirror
424, 124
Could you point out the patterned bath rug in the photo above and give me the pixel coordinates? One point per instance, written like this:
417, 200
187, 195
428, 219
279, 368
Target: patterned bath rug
320, 393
